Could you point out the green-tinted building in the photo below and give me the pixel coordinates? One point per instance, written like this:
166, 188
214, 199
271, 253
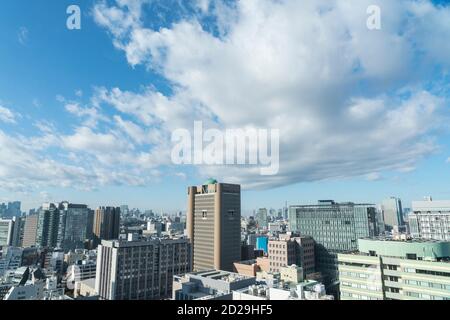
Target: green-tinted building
384, 269
335, 227
48, 226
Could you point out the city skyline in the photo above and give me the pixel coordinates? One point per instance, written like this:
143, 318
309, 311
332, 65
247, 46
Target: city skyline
86, 115
247, 210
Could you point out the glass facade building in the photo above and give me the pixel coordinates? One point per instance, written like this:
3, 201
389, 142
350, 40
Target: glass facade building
335, 227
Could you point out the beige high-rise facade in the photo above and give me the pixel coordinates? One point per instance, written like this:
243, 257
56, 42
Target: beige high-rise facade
30, 230
213, 225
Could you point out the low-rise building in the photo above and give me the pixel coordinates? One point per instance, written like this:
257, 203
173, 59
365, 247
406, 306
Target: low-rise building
85, 289
209, 285
307, 290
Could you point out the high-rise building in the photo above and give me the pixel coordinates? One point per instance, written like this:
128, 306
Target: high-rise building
124, 210
213, 225
6, 232
140, 269
48, 226
392, 213
106, 224
74, 228
430, 219
10, 232
30, 230
18, 229
386, 269
335, 227
3, 208
13, 210
261, 218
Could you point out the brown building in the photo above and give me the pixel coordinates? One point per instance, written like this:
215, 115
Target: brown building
213, 225
106, 224
292, 250
247, 267
263, 263
30, 231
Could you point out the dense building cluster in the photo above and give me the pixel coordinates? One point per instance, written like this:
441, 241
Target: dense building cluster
325, 251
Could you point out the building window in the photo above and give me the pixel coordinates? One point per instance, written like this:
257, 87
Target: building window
204, 214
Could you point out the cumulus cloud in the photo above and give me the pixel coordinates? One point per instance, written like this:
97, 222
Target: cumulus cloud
348, 101
91, 115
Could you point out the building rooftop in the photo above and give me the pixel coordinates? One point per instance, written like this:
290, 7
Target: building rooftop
210, 181
247, 262
220, 275
414, 249
410, 240
328, 203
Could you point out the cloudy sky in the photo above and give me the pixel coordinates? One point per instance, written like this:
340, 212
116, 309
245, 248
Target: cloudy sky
87, 115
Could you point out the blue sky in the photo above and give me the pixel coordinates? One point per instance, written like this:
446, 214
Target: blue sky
69, 99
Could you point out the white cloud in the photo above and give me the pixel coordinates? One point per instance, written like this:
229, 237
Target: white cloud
348, 101
203, 5
22, 35
374, 176
7, 115
92, 115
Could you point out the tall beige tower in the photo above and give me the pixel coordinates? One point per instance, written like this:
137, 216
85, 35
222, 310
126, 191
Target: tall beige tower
214, 225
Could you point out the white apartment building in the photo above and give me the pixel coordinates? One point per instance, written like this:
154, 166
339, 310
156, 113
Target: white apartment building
430, 219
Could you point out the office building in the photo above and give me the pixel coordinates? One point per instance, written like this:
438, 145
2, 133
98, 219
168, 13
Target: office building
430, 219
73, 226
251, 238
289, 251
213, 225
6, 232
30, 231
209, 285
10, 232
48, 226
140, 269
385, 269
262, 243
80, 271
106, 224
392, 212
261, 218
3, 208
335, 227
11, 210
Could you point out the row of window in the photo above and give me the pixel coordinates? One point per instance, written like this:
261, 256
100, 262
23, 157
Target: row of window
424, 296
361, 286
429, 272
357, 296
354, 274
440, 286
231, 214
